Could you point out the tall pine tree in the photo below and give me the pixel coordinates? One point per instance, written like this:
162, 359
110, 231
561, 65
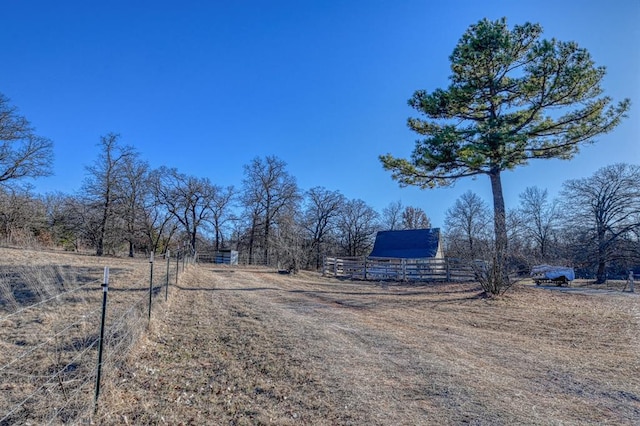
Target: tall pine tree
513, 97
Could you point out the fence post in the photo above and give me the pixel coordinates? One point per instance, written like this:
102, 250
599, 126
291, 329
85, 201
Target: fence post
177, 266
105, 290
150, 282
630, 281
404, 269
365, 268
166, 288
446, 266
335, 266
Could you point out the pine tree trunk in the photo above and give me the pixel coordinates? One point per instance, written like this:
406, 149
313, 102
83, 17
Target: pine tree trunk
500, 278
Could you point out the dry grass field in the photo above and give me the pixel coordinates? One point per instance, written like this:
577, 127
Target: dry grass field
248, 347
50, 311
240, 346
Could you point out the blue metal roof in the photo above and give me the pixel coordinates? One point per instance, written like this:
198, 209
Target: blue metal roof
407, 244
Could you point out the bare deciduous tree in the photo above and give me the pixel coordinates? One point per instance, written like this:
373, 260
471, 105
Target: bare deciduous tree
267, 189
221, 204
468, 223
66, 220
133, 189
392, 216
357, 225
606, 208
104, 178
289, 239
539, 218
415, 218
159, 225
322, 208
187, 198
22, 216
22, 153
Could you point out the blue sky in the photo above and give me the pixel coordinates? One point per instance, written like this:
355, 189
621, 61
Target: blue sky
205, 86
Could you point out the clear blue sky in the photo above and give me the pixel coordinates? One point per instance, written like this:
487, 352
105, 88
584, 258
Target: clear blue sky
205, 86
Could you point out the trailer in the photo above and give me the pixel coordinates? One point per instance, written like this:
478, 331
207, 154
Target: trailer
549, 274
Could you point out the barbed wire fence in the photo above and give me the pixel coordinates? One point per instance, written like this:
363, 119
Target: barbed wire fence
50, 336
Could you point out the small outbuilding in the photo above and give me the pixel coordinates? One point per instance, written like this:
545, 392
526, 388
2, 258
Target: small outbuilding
225, 257
408, 244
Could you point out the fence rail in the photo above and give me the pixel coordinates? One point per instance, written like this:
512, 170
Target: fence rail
395, 269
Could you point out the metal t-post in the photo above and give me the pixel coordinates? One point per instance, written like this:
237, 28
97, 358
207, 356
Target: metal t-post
177, 266
150, 282
105, 290
166, 287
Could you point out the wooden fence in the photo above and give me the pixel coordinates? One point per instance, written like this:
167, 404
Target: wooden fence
395, 269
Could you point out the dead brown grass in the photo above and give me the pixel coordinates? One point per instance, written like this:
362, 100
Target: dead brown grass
50, 307
250, 346
237, 346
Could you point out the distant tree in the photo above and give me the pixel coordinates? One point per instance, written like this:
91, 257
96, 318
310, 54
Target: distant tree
159, 225
468, 225
519, 243
513, 97
605, 209
23, 219
187, 198
23, 154
415, 218
357, 225
289, 239
101, 189
321, 211
65, 220
539, 218
392, 216
221, 211
133, 189
267, 190
88, 216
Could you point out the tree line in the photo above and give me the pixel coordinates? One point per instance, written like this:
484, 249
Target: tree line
124, 206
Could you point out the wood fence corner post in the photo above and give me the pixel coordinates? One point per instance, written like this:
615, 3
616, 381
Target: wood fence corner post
365, 269
404, 269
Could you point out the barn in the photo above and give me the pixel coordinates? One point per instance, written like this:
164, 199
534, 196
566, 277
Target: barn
406, 255
408, 244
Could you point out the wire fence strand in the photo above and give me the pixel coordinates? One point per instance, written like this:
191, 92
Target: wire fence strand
50, 379
44, 302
